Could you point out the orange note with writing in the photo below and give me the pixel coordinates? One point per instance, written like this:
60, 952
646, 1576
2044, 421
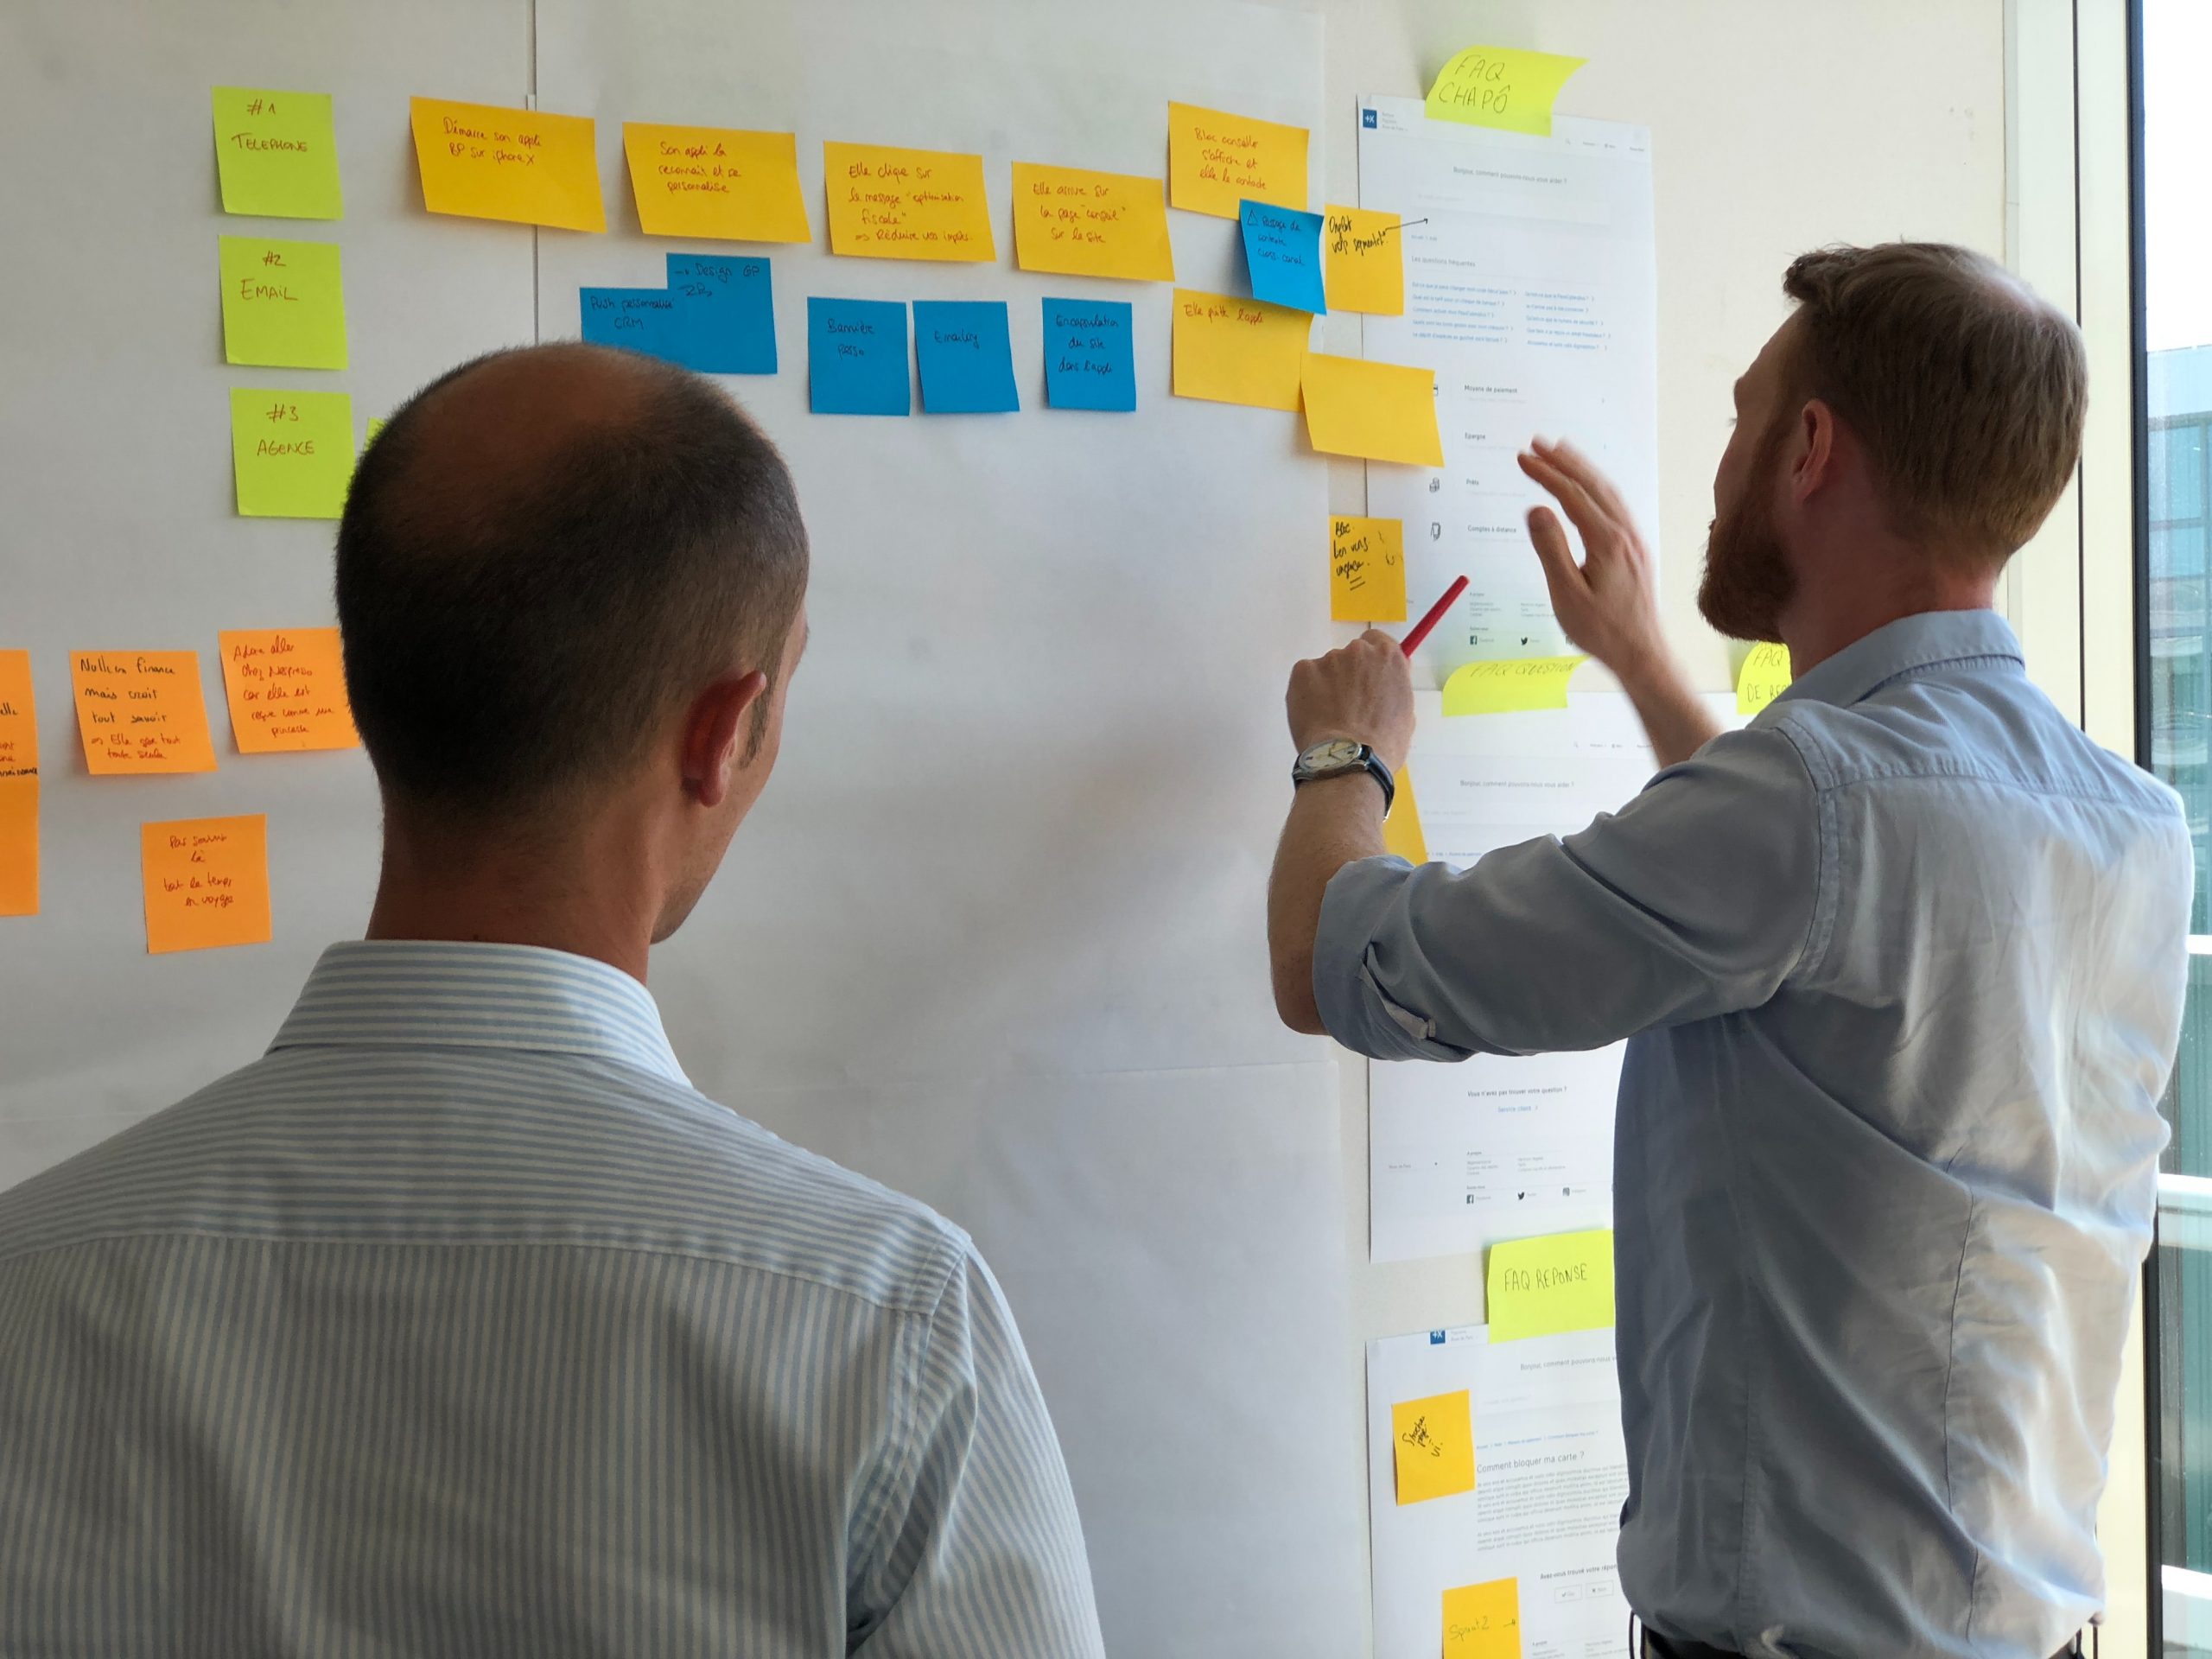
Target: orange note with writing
206, 882
19, 846
287, 690
140, 711
18, 720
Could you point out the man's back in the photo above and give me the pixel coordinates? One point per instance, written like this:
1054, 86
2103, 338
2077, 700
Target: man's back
460, 1324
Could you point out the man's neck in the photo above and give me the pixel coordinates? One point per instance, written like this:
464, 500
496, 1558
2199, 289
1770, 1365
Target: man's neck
1858, 596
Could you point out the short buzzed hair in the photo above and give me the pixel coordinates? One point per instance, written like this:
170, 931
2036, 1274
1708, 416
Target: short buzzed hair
508, 639
1968, 389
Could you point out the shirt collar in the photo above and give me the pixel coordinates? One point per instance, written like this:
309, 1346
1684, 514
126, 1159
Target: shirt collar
1901, 647
423, 994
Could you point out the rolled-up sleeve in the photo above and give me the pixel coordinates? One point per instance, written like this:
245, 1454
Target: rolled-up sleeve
1698, 897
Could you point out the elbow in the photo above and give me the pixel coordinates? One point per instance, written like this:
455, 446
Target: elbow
1295, 1000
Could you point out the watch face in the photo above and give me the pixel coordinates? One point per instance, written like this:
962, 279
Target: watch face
1336, 754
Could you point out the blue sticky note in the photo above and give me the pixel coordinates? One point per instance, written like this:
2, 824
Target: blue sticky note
856, 357
1282, 248
966, 358
637, 319
725, 314
1089, 355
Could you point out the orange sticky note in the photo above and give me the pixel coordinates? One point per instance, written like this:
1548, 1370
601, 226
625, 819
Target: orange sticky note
18, 717
140, 711
1082, 224
287, 690
1217, 162
1379, 411
1364, 267
1238, 351
887, 203
206, 882
1434, 1440
485, 161
1483, 1621
19, 846
715, 181
1367, 569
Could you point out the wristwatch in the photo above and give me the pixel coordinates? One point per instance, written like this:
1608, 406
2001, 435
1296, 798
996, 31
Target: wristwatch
1339, 755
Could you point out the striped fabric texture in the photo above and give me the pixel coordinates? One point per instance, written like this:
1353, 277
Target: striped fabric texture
460, 1324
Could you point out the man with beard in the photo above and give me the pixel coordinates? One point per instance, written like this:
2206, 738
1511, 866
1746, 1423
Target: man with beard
1900, 965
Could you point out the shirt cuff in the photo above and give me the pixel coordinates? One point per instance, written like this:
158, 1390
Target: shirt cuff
1357, 1011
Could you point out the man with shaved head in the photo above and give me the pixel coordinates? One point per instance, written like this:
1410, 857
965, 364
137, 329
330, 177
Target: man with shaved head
460, 1324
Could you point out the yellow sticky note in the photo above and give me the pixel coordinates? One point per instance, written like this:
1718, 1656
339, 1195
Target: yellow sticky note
206, 882
276, 154
1434, 1440
287, 690
18, 717
1363, 263
19, 846
1500, 86
1401, 835
485, 161
1381, 411
1236, 351
1510, 687
715, 181
1367, 569
375, 426
1483, 1621
906, 204
1764, 676
1084, 223
140, 711
1217, 162
1540, 1286
284, 303
291, 452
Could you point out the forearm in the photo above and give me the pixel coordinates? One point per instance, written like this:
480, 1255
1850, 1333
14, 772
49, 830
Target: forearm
1676, 721
1333, 822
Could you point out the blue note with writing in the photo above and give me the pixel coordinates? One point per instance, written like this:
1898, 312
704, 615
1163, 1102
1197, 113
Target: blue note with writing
1090, 354
966, 357
636, 319
856, 357
1282, 248
725, 314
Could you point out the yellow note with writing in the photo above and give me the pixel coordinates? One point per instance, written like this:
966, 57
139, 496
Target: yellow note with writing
887, 203
284, 303
287, 690
1540, 1286
1500, 86
291, 452
206, 882
1078, 223
18, 717
276, 154
1367, 569
486, 161
1764, 676
1234, 351
140, 711
19, 846
715, 181
1434, 1443
1363, 264
1483, 1621
1512, 686
1217, 162
1401, 834
1380, 411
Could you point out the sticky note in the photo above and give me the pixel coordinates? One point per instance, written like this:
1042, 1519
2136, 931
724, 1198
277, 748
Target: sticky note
965, 356
1367, 569
1764, 676
375, 425
284, 303
906, 204
1540, 1286
1217, 161
276, 154
715, 181
1434, 1441
287, 690
291, 452
1511, 686
1077, 223
725, 314
19, 846
485, 161
1234, 351
1381, 411
636, 319
206, 882
1364, 261
140, 711
1090, 354
1282, 254
1483, 1621
1401, 834
18, 717
1500, 86
856, 357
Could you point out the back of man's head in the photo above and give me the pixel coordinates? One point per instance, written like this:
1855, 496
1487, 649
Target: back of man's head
545, 555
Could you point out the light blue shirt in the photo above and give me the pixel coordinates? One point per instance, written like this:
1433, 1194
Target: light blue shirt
460, 1324
1900, 966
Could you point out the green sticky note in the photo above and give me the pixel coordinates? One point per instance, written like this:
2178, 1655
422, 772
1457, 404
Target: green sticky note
1500, 86
1540, 1286
284, 303
1511, 686
292, 452
277, 154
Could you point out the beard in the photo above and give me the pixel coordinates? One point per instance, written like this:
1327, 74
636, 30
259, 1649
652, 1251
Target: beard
1747, 580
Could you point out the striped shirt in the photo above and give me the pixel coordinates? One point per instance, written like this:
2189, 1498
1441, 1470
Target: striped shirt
460, 1323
